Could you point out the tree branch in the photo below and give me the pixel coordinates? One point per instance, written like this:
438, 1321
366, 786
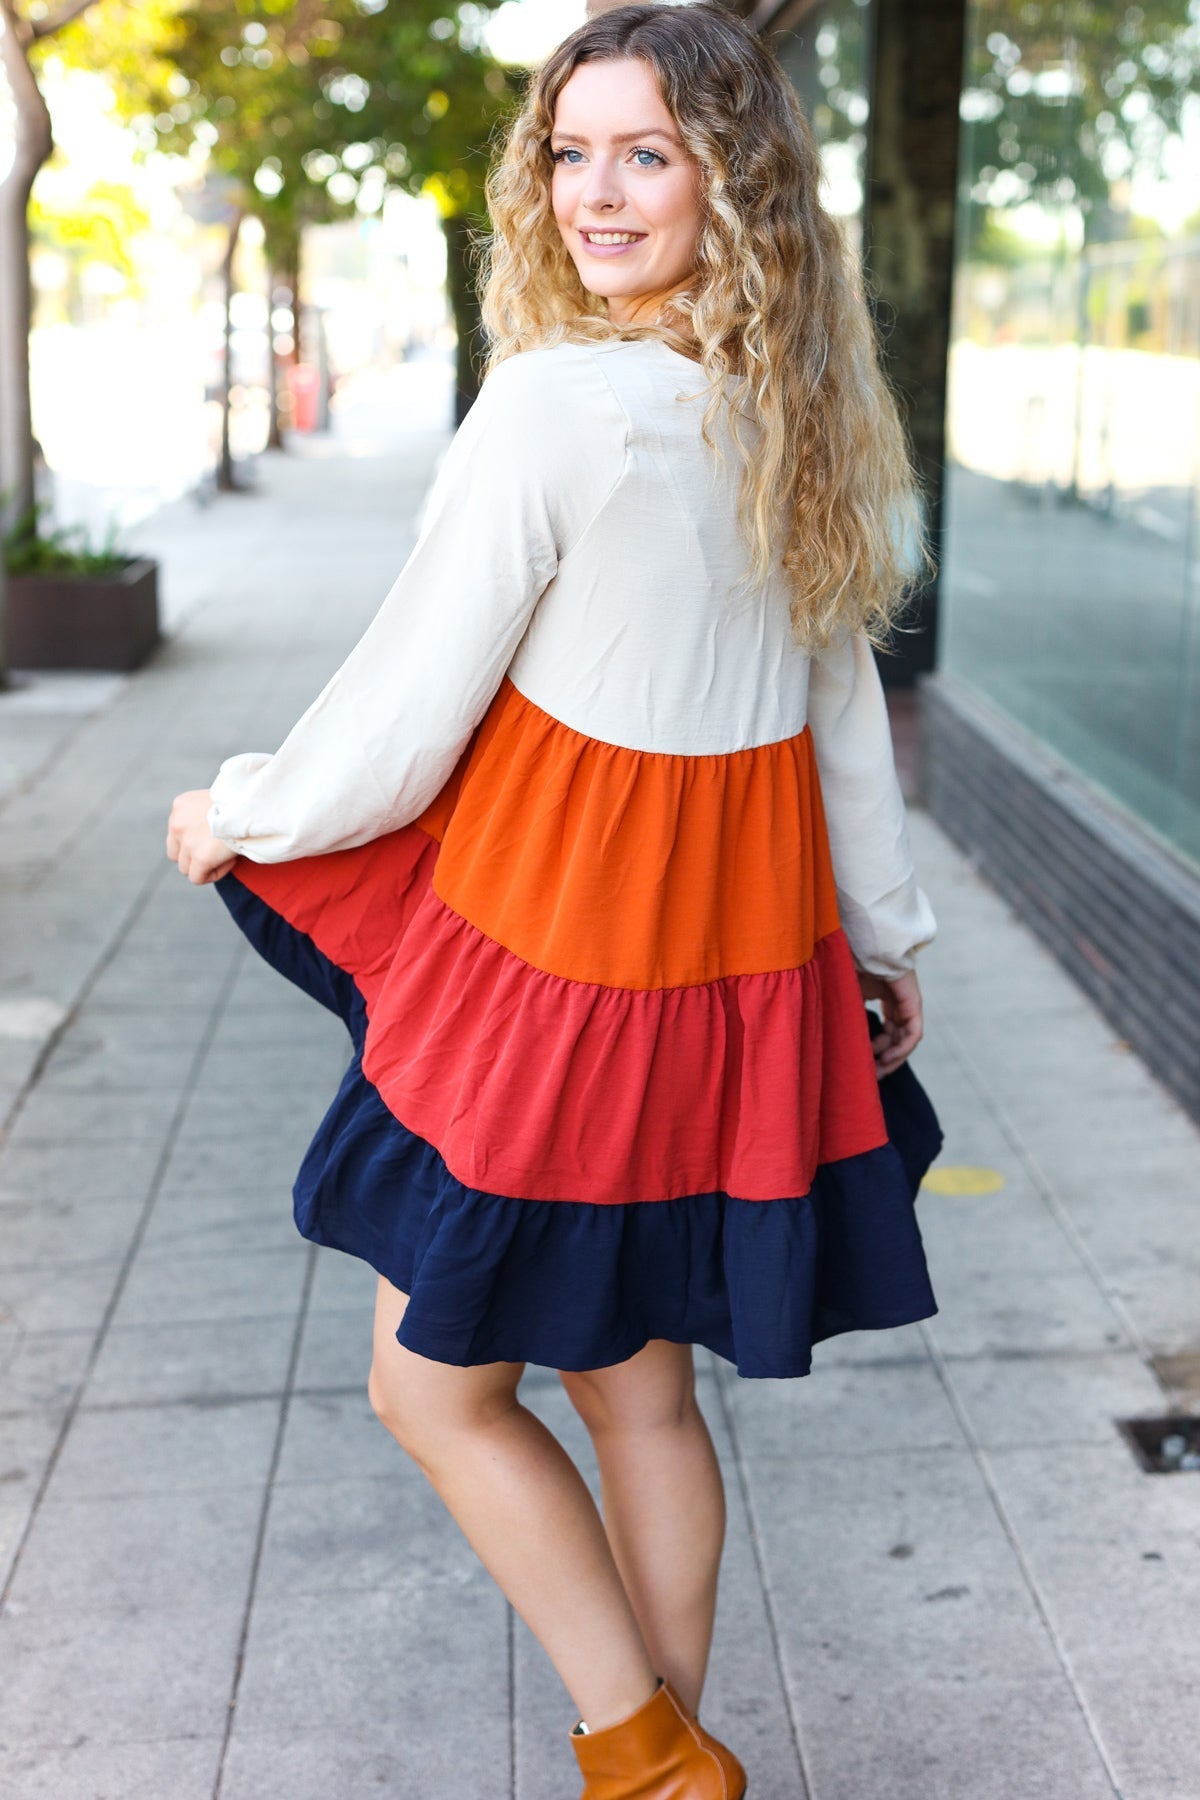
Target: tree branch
33, 139
40, 28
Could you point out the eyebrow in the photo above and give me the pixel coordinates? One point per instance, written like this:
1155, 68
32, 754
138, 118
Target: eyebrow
624, 137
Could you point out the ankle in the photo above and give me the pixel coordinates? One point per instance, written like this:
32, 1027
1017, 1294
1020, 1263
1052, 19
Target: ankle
616, 1708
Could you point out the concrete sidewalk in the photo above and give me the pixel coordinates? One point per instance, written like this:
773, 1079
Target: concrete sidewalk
947, 1579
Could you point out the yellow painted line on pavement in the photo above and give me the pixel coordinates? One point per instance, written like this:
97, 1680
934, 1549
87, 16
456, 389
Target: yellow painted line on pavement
960, 1178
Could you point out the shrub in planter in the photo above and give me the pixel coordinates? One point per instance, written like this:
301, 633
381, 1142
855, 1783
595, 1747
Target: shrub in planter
71, 607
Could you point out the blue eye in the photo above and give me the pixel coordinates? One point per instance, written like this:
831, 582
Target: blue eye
652, 153
561, 155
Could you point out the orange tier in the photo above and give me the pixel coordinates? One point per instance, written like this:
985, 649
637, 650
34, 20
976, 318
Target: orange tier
604, 975
633, 868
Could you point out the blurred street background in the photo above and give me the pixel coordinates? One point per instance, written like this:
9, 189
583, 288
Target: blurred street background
964, 1557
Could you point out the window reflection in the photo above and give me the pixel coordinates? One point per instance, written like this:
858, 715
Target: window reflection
1070, 568
827, 58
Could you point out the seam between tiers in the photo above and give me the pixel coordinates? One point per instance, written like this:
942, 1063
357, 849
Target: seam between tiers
681, 756
616, 987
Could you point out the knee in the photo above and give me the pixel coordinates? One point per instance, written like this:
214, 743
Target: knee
429, 1418
387, 1405
401, 1414
605, 1405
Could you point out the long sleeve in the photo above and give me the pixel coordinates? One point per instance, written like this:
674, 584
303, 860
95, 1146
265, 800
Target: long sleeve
885, 915
528, 471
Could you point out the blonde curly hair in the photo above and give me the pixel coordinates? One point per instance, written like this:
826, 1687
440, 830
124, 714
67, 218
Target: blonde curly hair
777, 305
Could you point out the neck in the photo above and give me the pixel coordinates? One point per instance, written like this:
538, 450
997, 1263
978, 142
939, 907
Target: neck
643, 309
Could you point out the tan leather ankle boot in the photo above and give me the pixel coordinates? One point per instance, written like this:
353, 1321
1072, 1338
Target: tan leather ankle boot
660, 1752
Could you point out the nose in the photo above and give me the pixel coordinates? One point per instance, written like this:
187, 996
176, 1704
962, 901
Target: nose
602, 192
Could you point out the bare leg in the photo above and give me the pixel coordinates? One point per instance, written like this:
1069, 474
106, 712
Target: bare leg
664, 1502
523, 1507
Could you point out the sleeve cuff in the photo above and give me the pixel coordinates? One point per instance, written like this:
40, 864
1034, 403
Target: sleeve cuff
888, 947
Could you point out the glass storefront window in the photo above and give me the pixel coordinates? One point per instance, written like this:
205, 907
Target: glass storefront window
828, 59
1070, 569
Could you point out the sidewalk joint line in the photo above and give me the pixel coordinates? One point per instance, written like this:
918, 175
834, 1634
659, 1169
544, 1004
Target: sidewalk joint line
127, 1261
21, 790
239, 1662
1044, 1188
137, 906
808, 1789
104, 961
980, 1457
510, 1651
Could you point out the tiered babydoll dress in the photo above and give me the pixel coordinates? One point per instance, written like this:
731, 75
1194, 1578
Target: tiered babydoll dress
584, 851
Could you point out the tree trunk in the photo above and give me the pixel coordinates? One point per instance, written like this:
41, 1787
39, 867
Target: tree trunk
274, 434
464, 302
32, 146
910, 216
292, 273
225, 477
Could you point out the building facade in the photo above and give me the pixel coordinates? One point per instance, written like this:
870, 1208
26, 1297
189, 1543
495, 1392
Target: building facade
1029, 209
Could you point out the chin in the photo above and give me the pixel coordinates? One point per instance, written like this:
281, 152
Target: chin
610, 289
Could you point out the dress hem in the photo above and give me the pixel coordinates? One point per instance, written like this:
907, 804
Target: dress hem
566, 1283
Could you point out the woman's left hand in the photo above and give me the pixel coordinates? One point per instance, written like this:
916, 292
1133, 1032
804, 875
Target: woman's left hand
200, 856
903, 1023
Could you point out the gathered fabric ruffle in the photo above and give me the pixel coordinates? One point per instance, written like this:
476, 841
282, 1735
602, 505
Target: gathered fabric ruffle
542, 1088
629, 868
572, 1284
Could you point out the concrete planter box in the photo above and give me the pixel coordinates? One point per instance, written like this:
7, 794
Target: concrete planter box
82, 621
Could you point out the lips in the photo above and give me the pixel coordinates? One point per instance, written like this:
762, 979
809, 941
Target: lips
611, 243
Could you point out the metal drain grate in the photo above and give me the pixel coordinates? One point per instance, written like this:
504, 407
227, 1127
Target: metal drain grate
1163, 1446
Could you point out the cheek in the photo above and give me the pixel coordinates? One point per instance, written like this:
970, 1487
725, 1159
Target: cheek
676, 209
562, 195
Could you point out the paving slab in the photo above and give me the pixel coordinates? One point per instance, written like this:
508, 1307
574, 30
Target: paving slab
1011, 1230
131, 1553
334, 1436
357, 1665
203, 1161
1058, 1400
222, 1285
963, 1738
387, 1534
866, 1349
27, 1442
343, 1284
917, 1577
41, 1370
1148, 1729
336, 1348
201, 1223
94, 1118
63, 1170
87, 1229
223, 1359
49, 1296
1114, 1553
842, 1411
396, 1753
112, 1453
136, 1672
995, 1311
183, 1768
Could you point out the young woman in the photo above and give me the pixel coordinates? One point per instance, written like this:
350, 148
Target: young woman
596, 842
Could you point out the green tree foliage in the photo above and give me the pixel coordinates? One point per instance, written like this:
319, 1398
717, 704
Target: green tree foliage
97, 228
1066, 97
315, 107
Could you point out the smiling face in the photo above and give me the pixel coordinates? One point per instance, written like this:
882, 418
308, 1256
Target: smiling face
626, 194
